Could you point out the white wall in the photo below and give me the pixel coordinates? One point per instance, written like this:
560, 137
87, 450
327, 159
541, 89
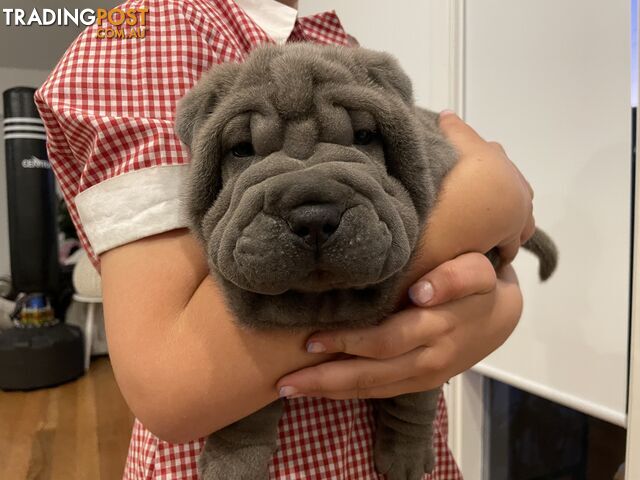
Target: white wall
552, 81
403, 28
11, 77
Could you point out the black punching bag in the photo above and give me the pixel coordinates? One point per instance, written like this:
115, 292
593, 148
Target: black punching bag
33, 233
39, 351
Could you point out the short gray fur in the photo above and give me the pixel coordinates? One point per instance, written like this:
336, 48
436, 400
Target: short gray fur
312, 230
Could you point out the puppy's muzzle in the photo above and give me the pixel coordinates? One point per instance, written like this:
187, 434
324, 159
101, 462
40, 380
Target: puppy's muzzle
315, 223
330, 225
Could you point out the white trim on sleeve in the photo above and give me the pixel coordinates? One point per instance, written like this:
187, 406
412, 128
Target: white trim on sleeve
132, 206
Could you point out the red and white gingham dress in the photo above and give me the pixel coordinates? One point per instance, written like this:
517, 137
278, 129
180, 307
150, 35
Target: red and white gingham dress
108, 109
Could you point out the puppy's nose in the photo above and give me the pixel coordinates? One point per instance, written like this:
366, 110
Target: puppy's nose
315, 222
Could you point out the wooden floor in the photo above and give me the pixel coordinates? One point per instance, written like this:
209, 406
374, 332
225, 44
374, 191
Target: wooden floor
79, 430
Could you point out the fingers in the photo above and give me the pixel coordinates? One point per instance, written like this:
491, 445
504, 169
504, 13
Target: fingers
509, 250
507, 275
508, 308
524, 181
402, 387
343, 375
500, 149
464, 138
485, 323
498, 146
465, 275
529, 230
468, 274
358, 378
399, 334
469, 143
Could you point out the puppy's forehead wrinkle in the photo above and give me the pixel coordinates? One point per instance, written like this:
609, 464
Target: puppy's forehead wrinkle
300, 138
292, 75
247, 100
266, 132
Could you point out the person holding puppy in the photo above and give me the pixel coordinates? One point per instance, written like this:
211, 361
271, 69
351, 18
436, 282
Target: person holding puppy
184, 367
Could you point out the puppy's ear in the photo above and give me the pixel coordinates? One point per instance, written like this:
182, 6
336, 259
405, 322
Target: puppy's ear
385, 70
189, 114
200, 101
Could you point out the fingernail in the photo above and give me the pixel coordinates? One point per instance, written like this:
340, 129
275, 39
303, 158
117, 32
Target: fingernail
316, 347
287, 391
447, 112
421, 293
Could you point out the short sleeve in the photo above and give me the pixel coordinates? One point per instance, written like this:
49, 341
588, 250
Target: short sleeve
108, 108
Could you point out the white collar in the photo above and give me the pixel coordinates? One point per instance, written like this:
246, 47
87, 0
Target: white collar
275, 18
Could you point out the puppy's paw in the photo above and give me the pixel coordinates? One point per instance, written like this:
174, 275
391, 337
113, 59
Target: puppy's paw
241, 451
401, 460
429, 459
242, 464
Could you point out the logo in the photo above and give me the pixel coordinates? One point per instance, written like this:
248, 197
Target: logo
35, 162
122, 23
129, 23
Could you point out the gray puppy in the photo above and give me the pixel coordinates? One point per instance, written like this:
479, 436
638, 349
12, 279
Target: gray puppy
312, 176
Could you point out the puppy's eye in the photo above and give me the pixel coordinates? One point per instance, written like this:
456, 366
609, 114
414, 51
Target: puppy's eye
243, 149
364, 137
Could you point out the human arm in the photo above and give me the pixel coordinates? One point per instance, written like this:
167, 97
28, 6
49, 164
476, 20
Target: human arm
186, 369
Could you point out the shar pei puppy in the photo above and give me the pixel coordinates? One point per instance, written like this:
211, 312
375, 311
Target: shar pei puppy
312, 176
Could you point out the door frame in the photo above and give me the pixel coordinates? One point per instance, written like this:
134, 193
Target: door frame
465, 392
632, 469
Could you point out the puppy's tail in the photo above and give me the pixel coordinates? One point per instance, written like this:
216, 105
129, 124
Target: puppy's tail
545, 249
541, 245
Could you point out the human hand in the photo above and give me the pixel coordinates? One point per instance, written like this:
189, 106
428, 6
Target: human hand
418, 349
485, 201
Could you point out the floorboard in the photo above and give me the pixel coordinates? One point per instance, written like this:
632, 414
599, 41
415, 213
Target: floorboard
79, 430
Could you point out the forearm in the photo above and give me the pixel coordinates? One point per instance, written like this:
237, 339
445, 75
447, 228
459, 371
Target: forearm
475, 207
185, 368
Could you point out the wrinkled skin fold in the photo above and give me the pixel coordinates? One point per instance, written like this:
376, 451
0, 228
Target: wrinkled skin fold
312, 177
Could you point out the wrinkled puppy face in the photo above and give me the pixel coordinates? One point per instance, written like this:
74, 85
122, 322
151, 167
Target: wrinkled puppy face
308, 183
